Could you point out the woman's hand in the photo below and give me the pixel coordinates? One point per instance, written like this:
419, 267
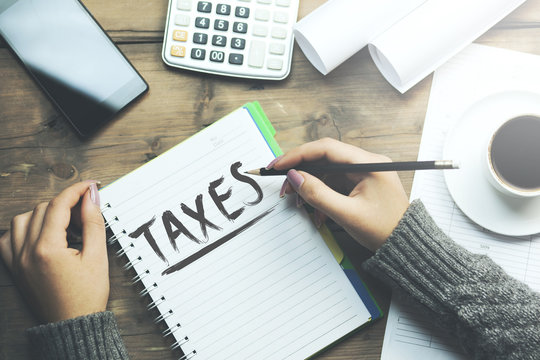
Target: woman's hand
367, 205
57, 281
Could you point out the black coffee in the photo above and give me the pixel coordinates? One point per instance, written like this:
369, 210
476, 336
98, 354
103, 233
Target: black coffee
515, 152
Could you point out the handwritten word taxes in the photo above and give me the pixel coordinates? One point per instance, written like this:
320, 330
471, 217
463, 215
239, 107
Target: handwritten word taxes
174, 227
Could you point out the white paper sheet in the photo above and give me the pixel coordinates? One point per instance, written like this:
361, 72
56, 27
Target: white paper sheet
339, 28
407, 39
476, 72
274, 291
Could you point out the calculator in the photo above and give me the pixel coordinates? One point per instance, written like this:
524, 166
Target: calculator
240, 38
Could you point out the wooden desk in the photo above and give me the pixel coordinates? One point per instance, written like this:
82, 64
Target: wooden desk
40, 154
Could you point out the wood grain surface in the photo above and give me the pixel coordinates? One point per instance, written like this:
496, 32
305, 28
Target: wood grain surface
40, 153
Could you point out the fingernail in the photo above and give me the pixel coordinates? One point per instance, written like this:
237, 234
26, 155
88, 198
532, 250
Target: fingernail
94, 194
295, 179
299, 201
97, 182
273, 162
283, 187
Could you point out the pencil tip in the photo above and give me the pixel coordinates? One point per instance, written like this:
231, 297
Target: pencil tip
253, 172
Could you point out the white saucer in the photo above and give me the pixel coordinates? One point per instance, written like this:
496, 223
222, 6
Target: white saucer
469, 186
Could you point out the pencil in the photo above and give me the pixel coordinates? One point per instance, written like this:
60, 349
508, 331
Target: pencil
367, 167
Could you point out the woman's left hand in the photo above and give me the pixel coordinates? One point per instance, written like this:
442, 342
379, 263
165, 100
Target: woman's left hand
57, 281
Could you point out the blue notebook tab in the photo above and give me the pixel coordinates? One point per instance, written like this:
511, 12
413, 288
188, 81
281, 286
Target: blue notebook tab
364, 293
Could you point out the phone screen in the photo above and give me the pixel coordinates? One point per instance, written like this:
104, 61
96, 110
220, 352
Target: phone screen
72, 58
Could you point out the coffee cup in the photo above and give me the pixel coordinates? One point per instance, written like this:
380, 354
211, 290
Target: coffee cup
511, 159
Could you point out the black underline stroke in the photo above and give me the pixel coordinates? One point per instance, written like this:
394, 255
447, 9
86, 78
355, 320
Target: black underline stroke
185, 262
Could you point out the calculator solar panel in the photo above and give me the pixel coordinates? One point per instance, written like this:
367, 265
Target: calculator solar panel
241, 38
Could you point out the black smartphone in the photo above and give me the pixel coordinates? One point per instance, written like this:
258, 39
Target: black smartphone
72, 59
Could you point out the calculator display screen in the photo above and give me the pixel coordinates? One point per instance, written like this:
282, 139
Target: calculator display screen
71, 58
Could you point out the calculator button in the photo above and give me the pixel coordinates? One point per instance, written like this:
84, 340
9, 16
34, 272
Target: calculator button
241, 11
284, 3
237, 43
222, 25
275, 64
178, 51
200, 38
262, 15
279, 33
277, 49
236, 59
180, 35
198, 54
264, 1
223, 9
281, 17
219, 40
183, 4
204, 6
217, 56
256, 53
202, 22
240, 27
259, 30
181, 20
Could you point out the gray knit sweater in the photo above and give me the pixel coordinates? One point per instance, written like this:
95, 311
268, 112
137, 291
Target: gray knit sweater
492, 315
92, 336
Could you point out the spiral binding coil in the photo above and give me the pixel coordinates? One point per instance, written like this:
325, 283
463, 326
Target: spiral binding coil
125, 249
188, 355
130, 264
155, 303
171, 330
116, 237
179, 343
109, 223
163, 316
147, 290
139, 277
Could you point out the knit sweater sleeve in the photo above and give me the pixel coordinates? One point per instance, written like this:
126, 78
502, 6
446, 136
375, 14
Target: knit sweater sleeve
87, 337
493, 315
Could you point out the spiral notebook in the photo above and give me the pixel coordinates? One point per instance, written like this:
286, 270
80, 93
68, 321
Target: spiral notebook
235, 271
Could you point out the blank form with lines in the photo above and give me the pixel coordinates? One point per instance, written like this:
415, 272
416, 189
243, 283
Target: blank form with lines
473, 74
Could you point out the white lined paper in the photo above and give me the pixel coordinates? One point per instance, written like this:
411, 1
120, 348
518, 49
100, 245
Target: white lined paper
275, 291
